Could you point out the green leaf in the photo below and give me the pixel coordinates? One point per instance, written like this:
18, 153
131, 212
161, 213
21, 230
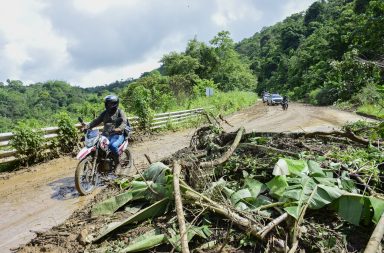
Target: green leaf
294, 211
254, 186
109, 206
286, 166
297, 167
315, 170
228, 192
151, 211
277, 185
378, 208
242, 194
260, 201
147, 241
203, 232
156, 172
350, 208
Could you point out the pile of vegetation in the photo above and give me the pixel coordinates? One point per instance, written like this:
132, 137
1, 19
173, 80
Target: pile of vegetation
241, 192
331, 53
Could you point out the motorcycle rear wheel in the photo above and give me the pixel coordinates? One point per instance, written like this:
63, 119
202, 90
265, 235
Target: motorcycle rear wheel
85, 180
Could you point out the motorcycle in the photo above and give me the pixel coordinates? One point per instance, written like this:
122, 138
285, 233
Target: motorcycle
96, 160
284, 104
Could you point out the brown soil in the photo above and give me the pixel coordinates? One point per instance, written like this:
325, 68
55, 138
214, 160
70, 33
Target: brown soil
44, 196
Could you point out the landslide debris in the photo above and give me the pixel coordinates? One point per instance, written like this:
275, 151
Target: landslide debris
240, 192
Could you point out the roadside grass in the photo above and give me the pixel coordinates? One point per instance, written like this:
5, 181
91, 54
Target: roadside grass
223, 103
371, 109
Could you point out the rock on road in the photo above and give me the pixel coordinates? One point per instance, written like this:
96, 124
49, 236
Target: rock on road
44, 196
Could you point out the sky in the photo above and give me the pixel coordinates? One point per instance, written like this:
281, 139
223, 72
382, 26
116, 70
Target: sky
96, 42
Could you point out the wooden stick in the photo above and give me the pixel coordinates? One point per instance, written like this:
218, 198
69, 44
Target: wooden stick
294, 247
148, 158
264, 231
227, 154
376, 237
222, 118
213, 206
179, 207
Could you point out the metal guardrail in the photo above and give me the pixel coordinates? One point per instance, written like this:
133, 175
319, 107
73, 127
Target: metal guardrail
160, 120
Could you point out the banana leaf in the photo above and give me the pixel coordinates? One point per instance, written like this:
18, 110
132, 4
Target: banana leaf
316, 191
109, 206
146, 241
203, 232
151, 211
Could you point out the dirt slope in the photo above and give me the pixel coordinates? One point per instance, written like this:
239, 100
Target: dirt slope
44, 196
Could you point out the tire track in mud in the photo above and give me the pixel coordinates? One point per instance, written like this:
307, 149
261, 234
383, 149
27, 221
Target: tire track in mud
44, 196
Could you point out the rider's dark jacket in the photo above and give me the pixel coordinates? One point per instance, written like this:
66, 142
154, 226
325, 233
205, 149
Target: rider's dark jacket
111, 121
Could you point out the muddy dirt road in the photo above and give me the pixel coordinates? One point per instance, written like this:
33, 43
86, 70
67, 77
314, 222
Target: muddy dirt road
44, 196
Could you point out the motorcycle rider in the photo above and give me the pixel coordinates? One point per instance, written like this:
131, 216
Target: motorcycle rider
285, 101
115, 122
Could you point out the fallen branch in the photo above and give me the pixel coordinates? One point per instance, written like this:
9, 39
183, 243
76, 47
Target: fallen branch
376, 237
348, 134
359, 180
265, 148
363, 183
294, 247
227, 154
224, 120
264, 231
179, 208
203, 201
148, 158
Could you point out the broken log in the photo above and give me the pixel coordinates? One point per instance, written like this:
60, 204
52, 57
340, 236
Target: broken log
376, 237
179, 207
227, 154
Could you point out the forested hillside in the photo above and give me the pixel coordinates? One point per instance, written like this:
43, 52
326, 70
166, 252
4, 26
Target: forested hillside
38, 103
320, 55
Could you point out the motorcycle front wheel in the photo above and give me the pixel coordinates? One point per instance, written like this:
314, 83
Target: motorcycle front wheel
85, 180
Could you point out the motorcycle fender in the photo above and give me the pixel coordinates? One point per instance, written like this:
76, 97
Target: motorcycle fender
84, 152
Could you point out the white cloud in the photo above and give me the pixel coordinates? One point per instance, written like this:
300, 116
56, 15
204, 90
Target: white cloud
294, 6
106, 76
26, 32
230, 11
98, 6
94, 42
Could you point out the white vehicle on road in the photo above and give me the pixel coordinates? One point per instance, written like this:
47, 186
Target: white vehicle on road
274, 99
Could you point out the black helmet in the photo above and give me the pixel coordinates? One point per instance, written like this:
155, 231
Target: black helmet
111, 103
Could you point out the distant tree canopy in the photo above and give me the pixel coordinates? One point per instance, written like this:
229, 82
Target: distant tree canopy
318, 50
184, 75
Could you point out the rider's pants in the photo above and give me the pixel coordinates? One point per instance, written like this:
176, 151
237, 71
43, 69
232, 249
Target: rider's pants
114, 143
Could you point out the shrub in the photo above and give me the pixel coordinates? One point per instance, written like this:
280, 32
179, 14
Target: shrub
28, 141
140, 106
68, 134
368, 95
313, 96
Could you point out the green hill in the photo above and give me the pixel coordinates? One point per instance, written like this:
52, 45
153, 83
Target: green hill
316, 55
